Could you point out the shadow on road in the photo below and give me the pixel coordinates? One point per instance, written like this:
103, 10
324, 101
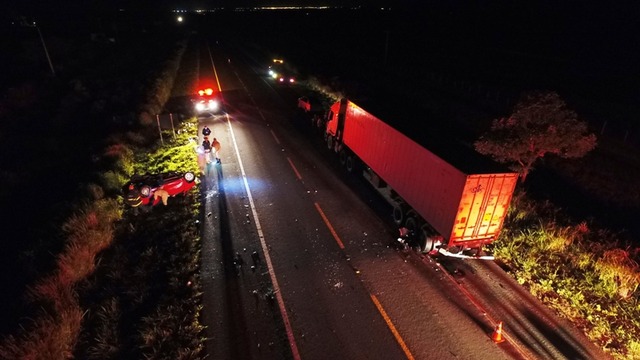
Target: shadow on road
235, 323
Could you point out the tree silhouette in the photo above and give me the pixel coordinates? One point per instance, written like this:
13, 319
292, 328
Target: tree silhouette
541, 124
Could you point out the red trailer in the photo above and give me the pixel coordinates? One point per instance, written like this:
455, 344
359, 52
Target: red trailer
449, 209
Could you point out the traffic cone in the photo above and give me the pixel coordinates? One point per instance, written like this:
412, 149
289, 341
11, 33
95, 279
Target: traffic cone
497, 334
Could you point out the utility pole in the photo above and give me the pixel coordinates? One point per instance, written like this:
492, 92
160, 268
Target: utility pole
46, 52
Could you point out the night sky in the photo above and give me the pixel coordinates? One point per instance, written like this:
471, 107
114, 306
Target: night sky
597, 41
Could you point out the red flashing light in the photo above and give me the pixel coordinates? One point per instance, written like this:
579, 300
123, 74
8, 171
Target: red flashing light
207, 91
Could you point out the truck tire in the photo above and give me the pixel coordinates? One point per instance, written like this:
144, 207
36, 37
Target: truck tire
411, 223
426, 241
400, 212
427, 238
429, 244
342, 157
351, 163
329, 142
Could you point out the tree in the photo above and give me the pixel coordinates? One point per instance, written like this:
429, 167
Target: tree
541, 124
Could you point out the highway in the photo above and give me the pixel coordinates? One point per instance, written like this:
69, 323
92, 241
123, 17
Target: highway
328, 282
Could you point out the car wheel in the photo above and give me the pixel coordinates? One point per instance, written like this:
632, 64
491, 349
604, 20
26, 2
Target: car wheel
145, 190
189, 176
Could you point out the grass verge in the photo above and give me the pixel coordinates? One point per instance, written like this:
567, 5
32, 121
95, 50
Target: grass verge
584, 274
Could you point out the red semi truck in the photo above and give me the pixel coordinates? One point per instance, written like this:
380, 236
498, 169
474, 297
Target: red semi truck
451, 210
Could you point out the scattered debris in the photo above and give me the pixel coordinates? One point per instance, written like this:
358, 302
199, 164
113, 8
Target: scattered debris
255, 257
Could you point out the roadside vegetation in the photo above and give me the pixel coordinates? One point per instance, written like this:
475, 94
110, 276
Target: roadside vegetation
144, 299
118, 284
586, 274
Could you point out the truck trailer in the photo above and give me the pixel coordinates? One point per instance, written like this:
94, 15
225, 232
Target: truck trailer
452, 207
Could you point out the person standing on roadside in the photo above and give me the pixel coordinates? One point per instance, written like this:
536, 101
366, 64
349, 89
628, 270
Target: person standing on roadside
206, 145
215, 145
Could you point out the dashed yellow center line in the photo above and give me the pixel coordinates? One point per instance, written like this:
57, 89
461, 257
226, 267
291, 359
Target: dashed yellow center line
333, 231
381, 310
386, 318
295, 170
275, 137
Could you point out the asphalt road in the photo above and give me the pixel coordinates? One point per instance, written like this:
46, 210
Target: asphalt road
328, 282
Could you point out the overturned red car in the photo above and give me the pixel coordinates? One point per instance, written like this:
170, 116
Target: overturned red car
151, 189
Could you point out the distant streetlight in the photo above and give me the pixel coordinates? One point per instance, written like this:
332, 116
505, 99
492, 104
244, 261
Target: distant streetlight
46, 52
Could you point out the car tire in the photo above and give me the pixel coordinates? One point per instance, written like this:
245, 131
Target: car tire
145, 190
189, 176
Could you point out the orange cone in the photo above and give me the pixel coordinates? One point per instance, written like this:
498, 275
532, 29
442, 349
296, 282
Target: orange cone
497, 334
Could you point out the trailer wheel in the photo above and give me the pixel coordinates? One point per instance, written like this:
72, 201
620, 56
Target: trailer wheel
399, 212
429, 238
337, 146
421, 238
342, 156
352, 163
329, 142
429, 244
411, 223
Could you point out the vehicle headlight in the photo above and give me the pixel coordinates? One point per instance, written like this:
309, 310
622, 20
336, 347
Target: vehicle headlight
213, 105
274, 75
199, 106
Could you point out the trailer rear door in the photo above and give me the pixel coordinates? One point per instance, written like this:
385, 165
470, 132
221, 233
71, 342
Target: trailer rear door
483, 207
